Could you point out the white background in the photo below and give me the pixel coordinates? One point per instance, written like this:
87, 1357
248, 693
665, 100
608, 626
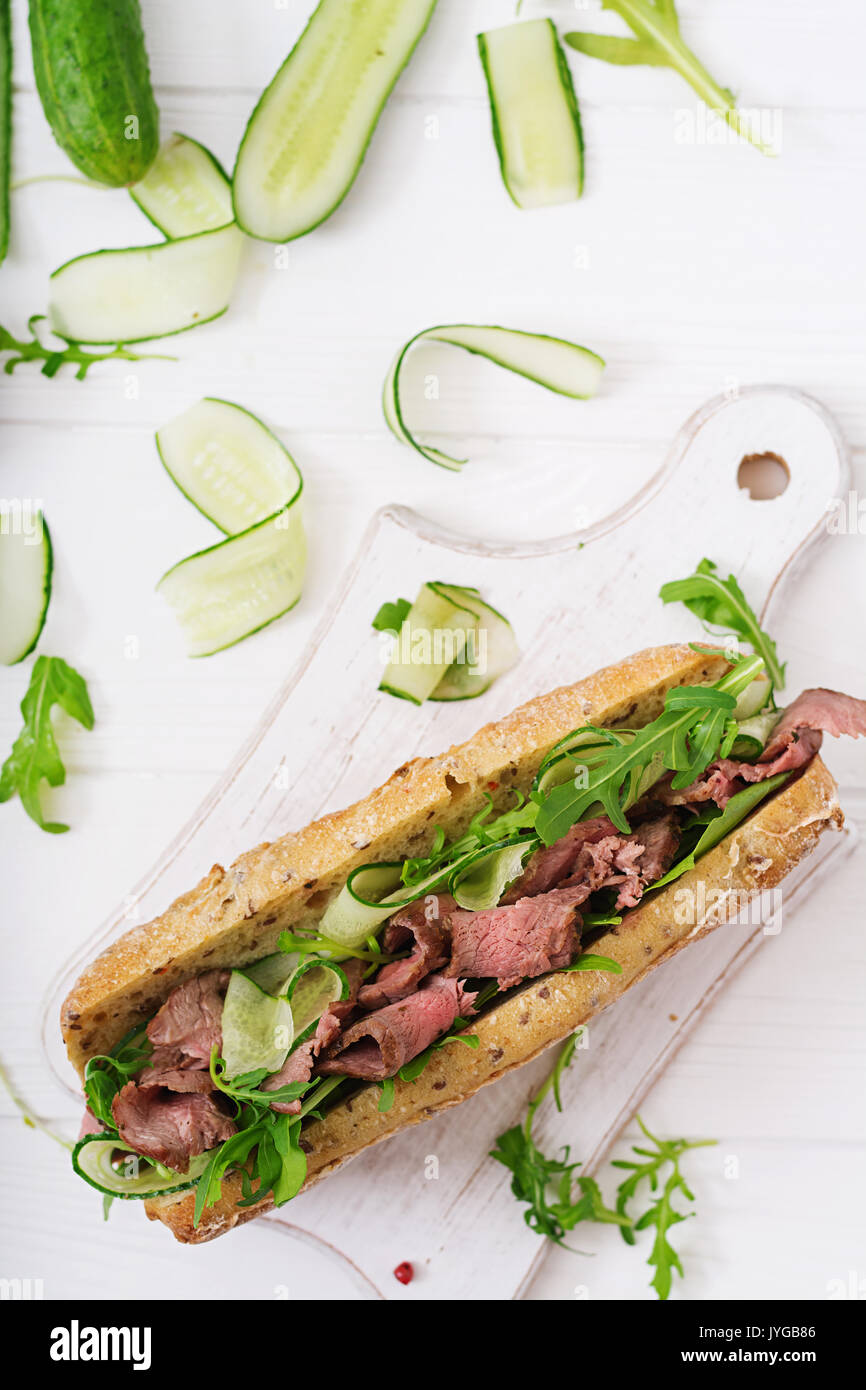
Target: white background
691, 267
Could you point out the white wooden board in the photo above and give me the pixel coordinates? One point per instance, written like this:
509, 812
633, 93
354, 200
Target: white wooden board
577, 602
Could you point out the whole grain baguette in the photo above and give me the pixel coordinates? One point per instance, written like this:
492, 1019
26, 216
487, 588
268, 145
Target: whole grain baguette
753, 859
235, 916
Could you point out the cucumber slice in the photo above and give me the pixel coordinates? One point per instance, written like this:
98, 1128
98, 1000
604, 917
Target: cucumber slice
313, 987
487, 874
272, 973
231, 590
492, 652
536, 121
555, 363
185, 190
257, 1028
95, 1159
307, 136
25, 589
752, 734
433, 636
753, 699
228, 464
143, 292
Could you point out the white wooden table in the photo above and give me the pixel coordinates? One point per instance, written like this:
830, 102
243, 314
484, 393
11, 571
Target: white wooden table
693, 269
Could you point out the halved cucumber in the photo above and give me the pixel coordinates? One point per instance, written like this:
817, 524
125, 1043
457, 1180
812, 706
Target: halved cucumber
555, 363
536, 121
95, 1159
433, 636
491, 653
238, 586
25, 588
186, 190
307, 136
257, 1028
228, 464
142, 292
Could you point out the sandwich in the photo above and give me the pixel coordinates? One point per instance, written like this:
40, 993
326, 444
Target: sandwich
362, 974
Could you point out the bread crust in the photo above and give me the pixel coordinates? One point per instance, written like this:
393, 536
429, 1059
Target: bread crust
235, 916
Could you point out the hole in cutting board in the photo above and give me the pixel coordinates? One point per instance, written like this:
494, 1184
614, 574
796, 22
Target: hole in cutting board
763, 476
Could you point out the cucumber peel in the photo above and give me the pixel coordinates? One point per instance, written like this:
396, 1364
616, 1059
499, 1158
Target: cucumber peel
555, 363
533, 107
26, 564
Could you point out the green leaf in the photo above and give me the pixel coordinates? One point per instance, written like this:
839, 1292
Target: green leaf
657, 26
660, 1214
35, 757
386, 1099
721, 604
623, 52
740, 805
685, 738
590, 962
34, 350
391, 616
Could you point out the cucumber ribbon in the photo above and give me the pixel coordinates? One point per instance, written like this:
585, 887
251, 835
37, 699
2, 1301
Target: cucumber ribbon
451, 645
238, 475
555, 363
132, 294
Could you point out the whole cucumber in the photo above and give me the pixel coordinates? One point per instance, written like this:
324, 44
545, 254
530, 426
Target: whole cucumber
93, 80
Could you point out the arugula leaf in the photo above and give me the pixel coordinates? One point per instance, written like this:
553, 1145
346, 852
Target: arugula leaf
684, 739
534, 1173
53, 358
35, 756
658, 42
391, 616
590, 962
105, 1075
661, 1212
410, 1071
715, 829
721, 603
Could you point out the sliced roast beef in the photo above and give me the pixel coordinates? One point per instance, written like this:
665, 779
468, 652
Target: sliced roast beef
380, 1044
89, 1123
298, 1066
426, 922
169, 1127
792, 744
819, 710
660, 837
519, 940
189, 1024
549, 866
181, 1082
